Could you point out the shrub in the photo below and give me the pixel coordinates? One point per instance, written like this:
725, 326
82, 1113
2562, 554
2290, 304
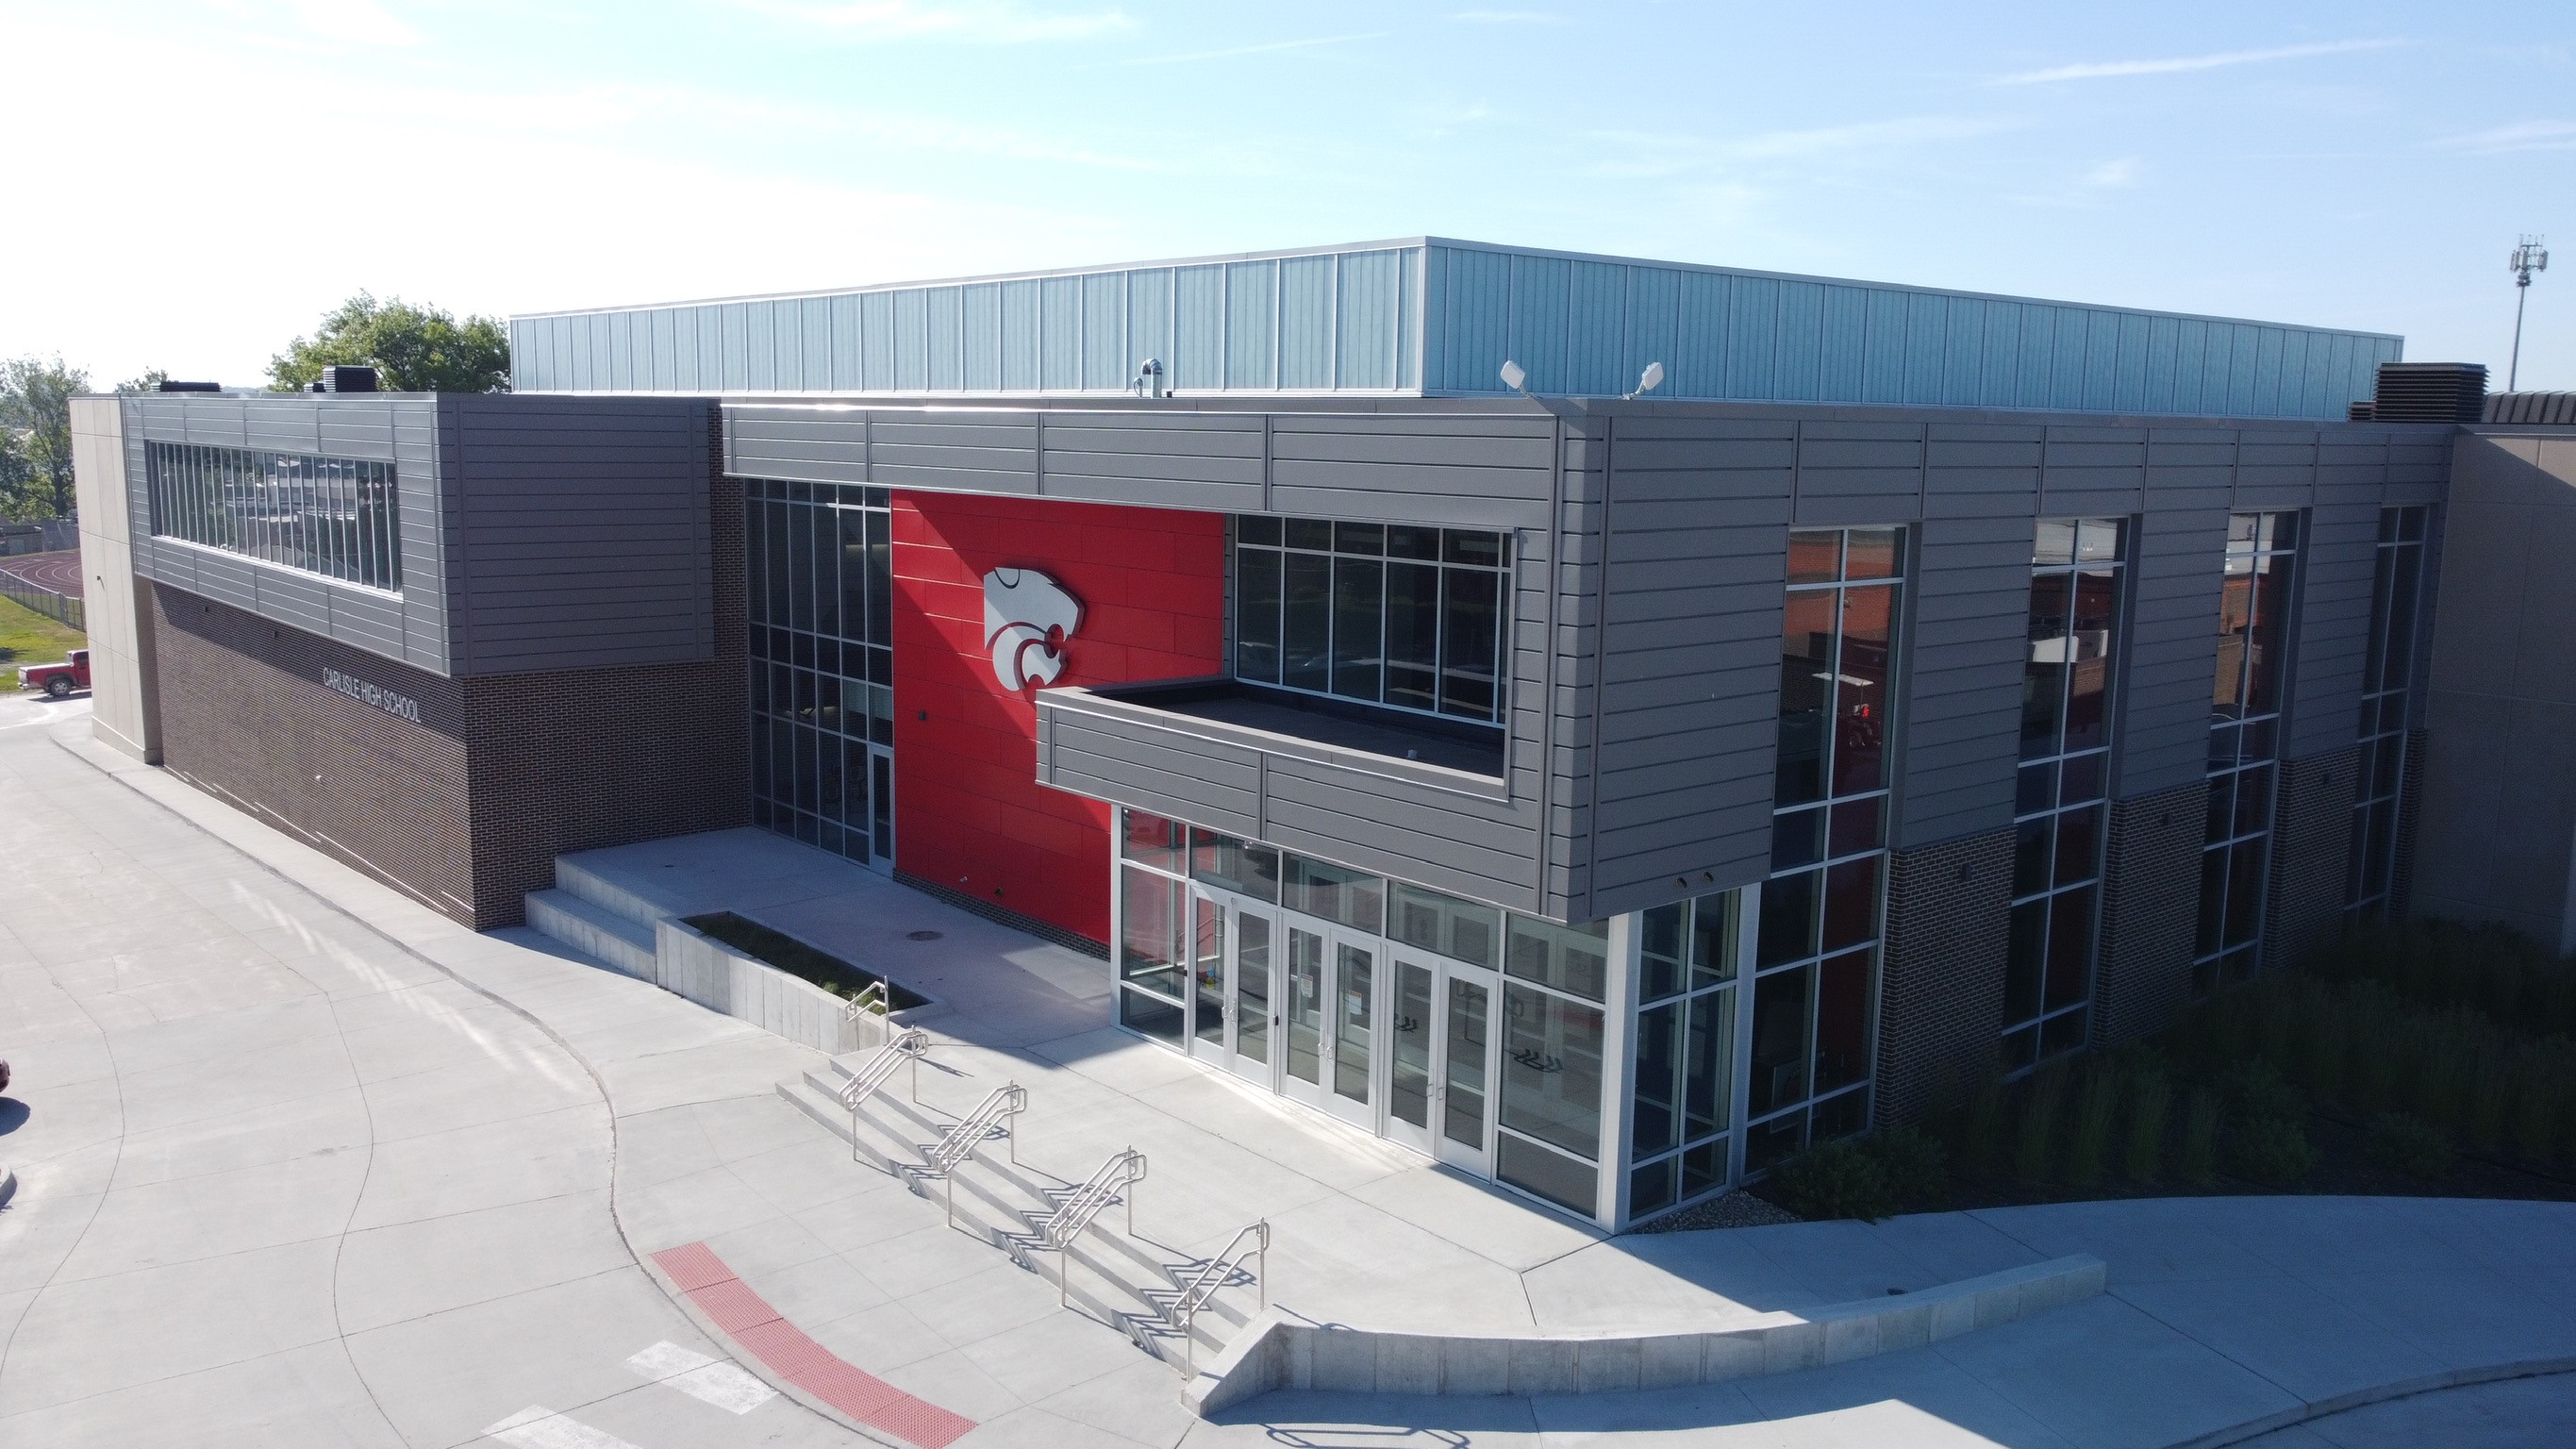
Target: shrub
1913, 1165
2409, 1145
1981, 1134
2197, 1160
2257, 1092
2035, 1135
2329, 1045
2490, 1100
2273, 1150
1835, 1180
2150, 1104
2537, 1086
2088, 1154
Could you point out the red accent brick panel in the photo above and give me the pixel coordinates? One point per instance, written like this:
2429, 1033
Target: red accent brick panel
970, 814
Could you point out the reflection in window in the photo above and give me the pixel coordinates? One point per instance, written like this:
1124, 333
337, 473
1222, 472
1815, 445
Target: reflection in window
2060, 813
335, 517
2245, 713
1403, 616
1552, 1090
1816, 955
819, 594
2387, 690
1685, 1053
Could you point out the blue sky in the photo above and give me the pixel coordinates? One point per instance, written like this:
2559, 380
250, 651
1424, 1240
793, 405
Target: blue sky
217, 174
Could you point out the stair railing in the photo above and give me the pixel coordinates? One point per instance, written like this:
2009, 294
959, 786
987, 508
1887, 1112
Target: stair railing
872, 1001
1110, 1184
942, 1160
1220, 1270
909, 1045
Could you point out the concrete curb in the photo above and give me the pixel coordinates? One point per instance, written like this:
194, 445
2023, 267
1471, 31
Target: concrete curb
2378, 1394
8, 1184
1276, 1351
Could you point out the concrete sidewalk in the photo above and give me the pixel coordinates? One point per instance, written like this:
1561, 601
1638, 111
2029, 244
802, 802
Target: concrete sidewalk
309, 1164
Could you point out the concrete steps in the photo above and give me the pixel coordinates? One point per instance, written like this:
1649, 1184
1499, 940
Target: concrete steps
1112, 1277
589, 927
575, 879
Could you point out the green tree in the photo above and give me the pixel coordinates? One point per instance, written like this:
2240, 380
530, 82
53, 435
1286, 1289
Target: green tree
36, 413
413, 349
150, 381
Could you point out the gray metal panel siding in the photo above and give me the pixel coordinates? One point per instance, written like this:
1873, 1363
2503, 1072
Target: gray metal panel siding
1412, 822
1480, 470
2177, 554
1679, 789
581, 532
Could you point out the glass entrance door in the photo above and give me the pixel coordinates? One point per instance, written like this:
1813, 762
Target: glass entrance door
1441, 1060
1254, 1011
1329, 1018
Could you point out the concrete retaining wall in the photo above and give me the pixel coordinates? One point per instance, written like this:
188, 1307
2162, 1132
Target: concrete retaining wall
1277, 1352
720, 978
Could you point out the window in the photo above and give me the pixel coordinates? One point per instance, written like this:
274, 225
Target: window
2387, 693
1816, 955
2245, 715
2061, 815
1407, 617
336, 517
1685, 1053
819, 592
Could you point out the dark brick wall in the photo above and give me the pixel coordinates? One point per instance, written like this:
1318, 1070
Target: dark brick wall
467, 808
2150, 908
1941, 992
246, 717
2311, 855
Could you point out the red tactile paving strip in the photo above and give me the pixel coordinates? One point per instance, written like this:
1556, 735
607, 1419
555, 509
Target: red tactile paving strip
694, 1269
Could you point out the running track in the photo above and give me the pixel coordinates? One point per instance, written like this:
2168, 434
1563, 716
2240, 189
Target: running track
60, 572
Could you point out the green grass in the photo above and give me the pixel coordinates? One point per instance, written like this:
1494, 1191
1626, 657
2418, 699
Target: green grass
27, 637
797, 959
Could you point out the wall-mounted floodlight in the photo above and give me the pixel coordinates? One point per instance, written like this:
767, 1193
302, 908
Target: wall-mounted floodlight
1514, 377
1648, 381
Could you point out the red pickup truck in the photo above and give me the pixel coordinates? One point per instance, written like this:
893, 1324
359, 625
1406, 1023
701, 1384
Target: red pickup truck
58, 680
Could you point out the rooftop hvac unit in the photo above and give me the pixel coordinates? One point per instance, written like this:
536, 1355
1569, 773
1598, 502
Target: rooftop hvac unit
340, 378
172, 384
2430, 392
2533, 407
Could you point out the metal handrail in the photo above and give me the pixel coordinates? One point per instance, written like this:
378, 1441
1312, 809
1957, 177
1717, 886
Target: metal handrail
871, 1001
1200, 1289
1123, 1170
941, 1161
911, 1044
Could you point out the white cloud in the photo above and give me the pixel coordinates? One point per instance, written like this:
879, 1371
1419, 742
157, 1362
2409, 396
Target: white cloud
2122, 172
1274, 46
2520, 136
2095, 70
1511, 17
1651, 153
362, 22
993, 22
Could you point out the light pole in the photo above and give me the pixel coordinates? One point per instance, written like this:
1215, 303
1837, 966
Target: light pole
2527, 258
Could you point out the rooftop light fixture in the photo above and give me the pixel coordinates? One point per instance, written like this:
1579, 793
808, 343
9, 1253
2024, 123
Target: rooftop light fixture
1647, 382
2527, 258
1514, 376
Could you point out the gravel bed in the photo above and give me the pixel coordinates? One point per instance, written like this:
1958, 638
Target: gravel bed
1738, 1209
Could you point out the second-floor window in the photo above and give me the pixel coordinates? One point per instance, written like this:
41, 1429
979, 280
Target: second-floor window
1390, 614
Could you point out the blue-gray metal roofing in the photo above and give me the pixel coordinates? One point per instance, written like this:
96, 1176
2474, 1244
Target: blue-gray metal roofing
1439, 318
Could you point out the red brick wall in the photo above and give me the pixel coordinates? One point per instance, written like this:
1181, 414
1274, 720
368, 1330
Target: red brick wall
970, 814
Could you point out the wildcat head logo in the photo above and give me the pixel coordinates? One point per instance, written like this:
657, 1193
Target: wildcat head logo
1027, 619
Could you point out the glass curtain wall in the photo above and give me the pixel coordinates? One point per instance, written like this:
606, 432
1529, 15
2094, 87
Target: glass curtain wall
2387, 688
2060, 814
2244, 727
329, 516
1549, 1141
820, 584
1408, 618
1816, 957
1685, 1098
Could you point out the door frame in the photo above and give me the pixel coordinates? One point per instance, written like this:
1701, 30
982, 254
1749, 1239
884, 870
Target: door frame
1431, 1139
